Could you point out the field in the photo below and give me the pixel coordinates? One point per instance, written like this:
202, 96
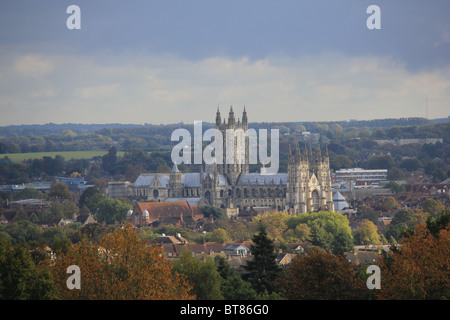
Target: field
67, 155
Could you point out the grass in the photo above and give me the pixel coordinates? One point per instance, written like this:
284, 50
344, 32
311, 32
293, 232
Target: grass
67, 155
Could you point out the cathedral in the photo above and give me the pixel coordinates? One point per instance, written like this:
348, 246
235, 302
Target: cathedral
305, 187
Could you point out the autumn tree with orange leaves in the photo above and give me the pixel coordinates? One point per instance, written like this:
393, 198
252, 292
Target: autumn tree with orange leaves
120, 267
419, 268
321, 275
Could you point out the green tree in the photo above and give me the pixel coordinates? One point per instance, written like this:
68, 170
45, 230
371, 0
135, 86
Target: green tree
366, 233
391, 203
29, 193
111, 210
433, 207
395, 187
90, 198
340, 162
217, 213
217, 235
384, 161
262, 269
329, 230
395, 174
368, 213
436, 224
59, 190
233, 287
202, 275
23, 231
109, 161
411, 164
20, 278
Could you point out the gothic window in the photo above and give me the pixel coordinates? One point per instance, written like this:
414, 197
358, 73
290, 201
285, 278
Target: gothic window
253, 192
278, 192
262, 193
315, 200
221, 193
230, 193
269, 192
155, 193
208, 195
245, 193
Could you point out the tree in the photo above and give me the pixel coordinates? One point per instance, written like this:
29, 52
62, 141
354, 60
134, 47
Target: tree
217, 213
368, 213
120, 267
232, 285
340, 162
262, 269
411, 164
112, 210
402, 221
320, 275
436, 224
238, 231
29, 193
274, 222
59, 190
217, 235
391, 203
203, 275
20, 278
23, 231
419, 268
395, 174
90, 197
433, 207
329, 230
366, 233
384, 161
303, 232
395, 187
109, 161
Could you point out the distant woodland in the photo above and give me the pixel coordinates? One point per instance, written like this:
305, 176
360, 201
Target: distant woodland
130, 149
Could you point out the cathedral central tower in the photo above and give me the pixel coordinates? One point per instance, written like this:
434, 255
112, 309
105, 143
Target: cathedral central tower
240, 153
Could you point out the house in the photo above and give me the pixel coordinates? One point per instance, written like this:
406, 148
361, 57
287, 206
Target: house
86, 219
173, 249
284, 259
236, 250
358, 257
163, 239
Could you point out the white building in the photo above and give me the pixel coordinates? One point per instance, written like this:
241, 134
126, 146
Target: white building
361, 176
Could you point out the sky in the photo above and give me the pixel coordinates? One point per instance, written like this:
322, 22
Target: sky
167, 61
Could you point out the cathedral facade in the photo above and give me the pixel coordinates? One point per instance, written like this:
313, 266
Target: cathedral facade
305, 187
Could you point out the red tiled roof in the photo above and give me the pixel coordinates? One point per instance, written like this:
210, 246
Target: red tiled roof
178, 209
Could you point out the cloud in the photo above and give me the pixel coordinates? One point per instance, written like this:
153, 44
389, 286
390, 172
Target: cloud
33, 66
169, 89
104, 91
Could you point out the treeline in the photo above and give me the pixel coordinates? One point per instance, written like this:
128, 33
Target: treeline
148, 149
116, 264
23, 139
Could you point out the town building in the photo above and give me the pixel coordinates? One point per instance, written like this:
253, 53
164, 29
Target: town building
305, 187
361, 176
